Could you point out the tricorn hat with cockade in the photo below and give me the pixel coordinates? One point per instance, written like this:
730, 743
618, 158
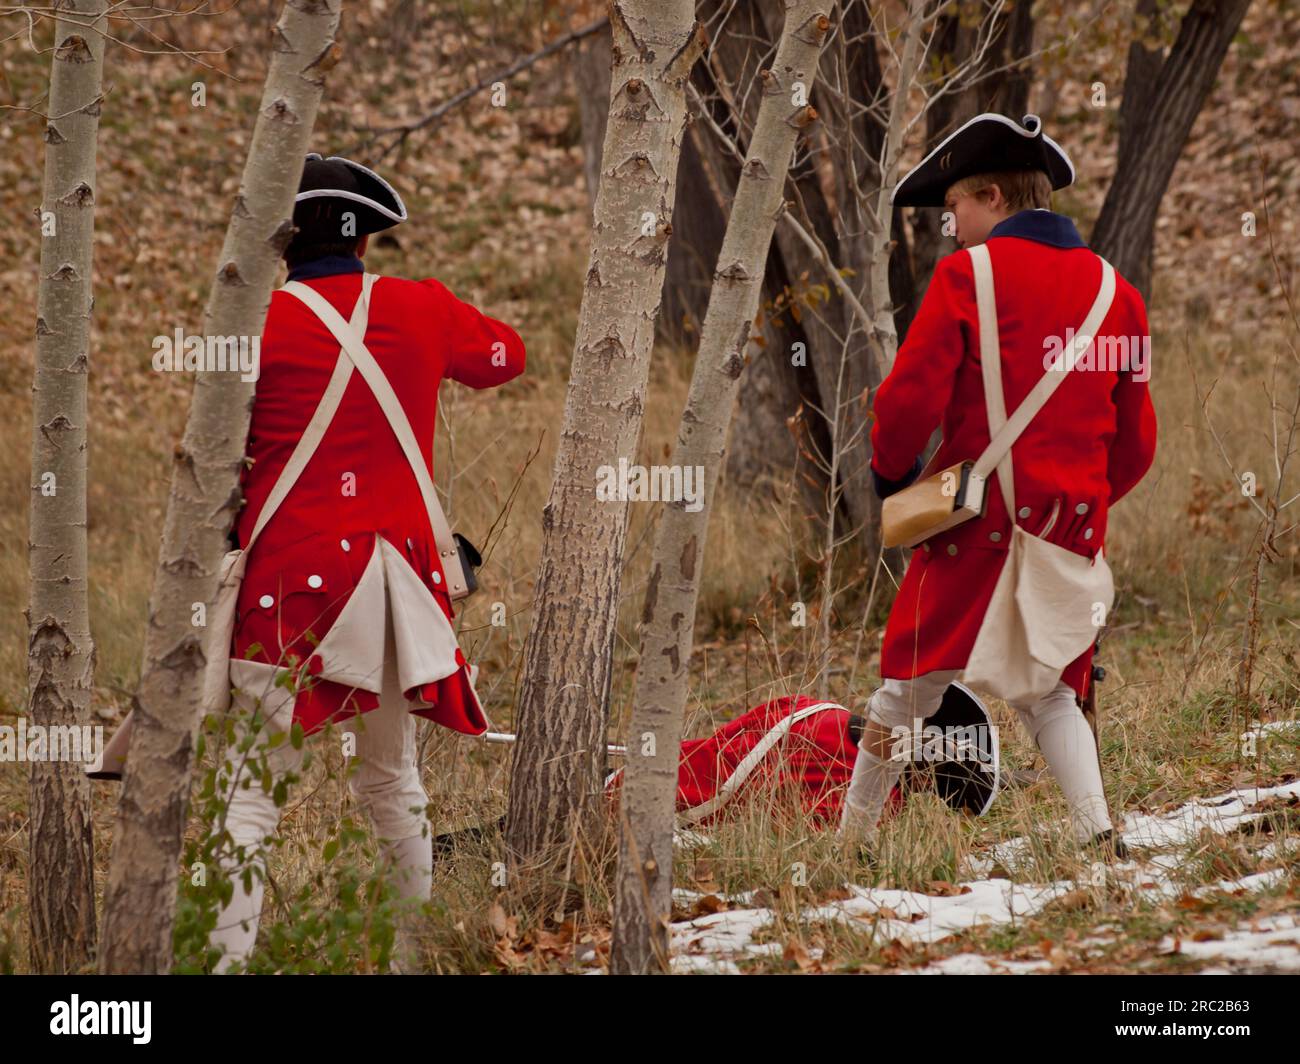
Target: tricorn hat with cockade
987, 143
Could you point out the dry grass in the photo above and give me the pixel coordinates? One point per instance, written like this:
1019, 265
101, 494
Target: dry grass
1170, 722
1181, 546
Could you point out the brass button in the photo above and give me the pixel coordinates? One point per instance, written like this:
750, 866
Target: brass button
952, 549
996, 537
1081, 509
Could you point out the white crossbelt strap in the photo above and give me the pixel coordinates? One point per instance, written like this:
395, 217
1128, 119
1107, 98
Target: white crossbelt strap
320, 420
991, 366
1005, 431
366, 365
751, 761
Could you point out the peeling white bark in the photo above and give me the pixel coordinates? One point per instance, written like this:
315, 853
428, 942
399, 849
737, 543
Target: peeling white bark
61, 654
140, 898
644, 888
563, 704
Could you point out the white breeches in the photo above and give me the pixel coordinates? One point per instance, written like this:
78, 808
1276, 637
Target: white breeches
385, 782
1054, 721
897, 702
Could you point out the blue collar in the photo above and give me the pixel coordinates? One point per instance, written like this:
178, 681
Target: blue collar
324, 267
1046, 227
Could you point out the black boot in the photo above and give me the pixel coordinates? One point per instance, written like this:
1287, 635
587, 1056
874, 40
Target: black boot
1109, 845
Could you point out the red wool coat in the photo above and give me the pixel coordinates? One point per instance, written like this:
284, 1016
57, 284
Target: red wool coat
310, 557
1088, 446
805, 769
810, 767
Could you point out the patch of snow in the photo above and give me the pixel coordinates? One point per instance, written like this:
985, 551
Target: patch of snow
978, 964
1221, 814
688, 964
924, 919
1279, 848
1271, 943
720, 933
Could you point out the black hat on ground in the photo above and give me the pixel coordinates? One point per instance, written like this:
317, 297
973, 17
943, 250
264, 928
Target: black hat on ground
331, 188
965, 769
988, 142
966, 776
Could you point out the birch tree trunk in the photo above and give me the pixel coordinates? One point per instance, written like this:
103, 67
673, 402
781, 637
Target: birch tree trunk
563, 705
61, 654
140, 899
884, 341
644, 887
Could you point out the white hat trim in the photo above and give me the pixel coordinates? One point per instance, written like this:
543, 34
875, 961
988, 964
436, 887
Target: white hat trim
338, 193
1017, 126
319, 193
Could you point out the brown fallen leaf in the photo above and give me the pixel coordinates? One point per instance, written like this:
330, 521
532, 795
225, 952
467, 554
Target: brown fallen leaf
707, 906
897, 952
508, 955
1191, 902
1224, 869
1071, 901
795, 953
555, 942
503, 926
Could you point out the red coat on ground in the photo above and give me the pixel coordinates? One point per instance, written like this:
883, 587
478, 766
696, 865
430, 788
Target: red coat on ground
804, 770
1088, 446
310, 557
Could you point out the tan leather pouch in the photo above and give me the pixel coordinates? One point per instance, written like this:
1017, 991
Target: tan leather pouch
932, 505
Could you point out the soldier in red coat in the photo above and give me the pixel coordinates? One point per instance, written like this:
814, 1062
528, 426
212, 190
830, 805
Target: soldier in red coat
1083, 451
345, 607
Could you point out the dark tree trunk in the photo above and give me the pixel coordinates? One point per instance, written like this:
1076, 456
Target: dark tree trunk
1159, 107
708, 176
709, 172
591, 79
741, 35
1006, 91
830, 209
774, 388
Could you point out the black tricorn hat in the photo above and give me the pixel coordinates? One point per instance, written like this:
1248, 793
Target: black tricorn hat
334, 187
966, 776
988, 142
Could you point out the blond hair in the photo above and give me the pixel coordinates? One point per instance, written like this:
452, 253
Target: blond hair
1022, 189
